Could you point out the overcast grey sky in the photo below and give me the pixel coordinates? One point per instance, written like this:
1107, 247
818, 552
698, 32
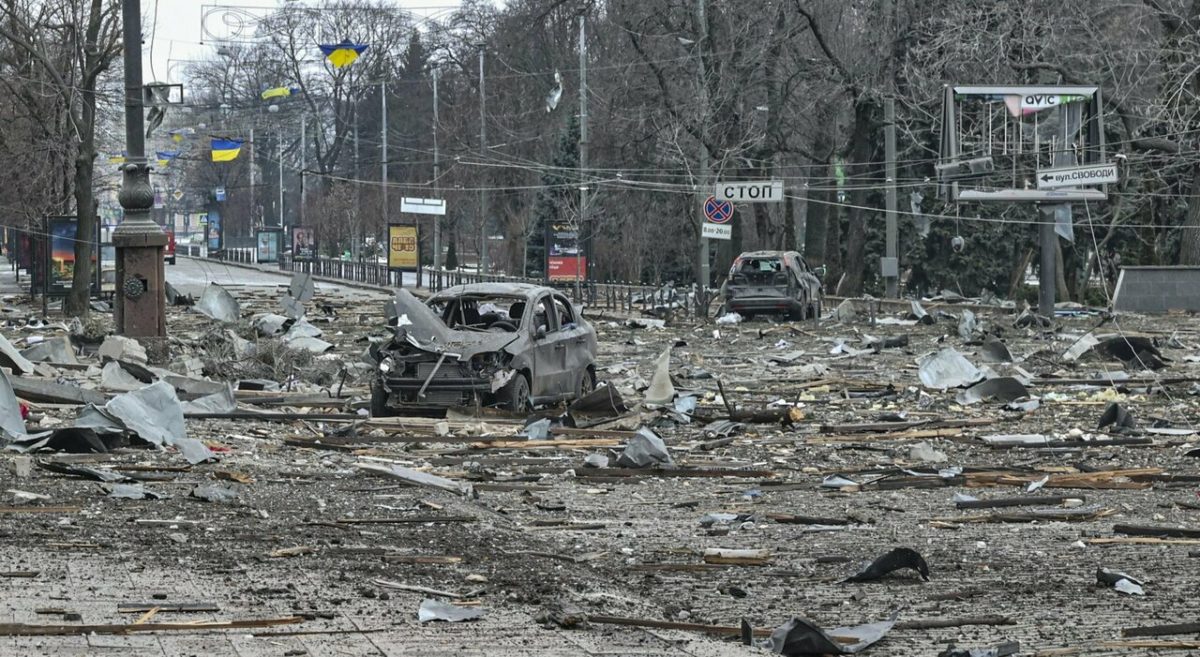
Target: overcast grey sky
174, 27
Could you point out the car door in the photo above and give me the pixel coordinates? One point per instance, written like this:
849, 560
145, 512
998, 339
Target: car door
546, 351
576, 354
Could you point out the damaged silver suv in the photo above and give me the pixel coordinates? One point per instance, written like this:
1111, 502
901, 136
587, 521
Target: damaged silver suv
488, 344
772, 283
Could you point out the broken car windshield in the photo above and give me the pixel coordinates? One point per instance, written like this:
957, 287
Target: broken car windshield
481, 313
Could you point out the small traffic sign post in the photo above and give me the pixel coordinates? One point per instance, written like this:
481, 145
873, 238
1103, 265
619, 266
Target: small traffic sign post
716, 231
1092, 174
718, 212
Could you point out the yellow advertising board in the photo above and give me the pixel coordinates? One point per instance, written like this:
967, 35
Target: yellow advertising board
402, 247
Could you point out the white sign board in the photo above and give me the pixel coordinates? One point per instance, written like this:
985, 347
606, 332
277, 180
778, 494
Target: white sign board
423, 205
716, 231
1092, 174
759, 191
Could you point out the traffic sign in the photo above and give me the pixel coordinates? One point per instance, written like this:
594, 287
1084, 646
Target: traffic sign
716, 231
177, 194
757, 191
718, 212
423, 205
1092, 174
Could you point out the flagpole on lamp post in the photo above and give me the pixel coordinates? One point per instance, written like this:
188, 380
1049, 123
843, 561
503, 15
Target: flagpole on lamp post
140, 299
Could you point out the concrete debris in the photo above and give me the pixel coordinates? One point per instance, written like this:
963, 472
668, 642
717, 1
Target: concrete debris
56, 350
115, 377
118, 347
845, 313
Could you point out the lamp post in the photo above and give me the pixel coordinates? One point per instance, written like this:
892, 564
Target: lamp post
140, 299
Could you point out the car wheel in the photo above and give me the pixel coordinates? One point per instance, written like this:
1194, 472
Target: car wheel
172, 261
797, 314
515, 396
586, 383
379, 398
815, 311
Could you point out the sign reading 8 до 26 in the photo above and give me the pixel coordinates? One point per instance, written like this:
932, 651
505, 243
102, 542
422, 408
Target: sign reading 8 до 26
402, 247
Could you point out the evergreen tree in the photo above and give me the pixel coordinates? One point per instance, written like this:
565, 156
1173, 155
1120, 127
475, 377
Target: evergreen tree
558, 200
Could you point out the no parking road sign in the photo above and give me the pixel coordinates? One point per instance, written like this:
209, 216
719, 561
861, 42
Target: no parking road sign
718, 212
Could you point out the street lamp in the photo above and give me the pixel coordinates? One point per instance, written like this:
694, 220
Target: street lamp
140, 309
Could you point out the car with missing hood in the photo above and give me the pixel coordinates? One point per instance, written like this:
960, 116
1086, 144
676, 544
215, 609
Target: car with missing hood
772, 283
487, 344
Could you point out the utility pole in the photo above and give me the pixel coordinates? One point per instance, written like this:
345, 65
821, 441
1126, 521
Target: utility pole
253, 200
383, 150
141, 301
354, 239
303, 164
483, 193
281, 223
582, 236
437, 174
702, 173
891, 261
1048, 271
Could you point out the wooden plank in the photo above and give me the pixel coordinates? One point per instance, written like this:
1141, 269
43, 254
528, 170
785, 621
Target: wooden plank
1017, 501
178, 607
27, 629
1156, 532
39, 509
405, 521
1162, 630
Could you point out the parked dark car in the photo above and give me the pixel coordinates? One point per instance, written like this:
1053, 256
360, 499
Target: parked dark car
488, 344
774, 283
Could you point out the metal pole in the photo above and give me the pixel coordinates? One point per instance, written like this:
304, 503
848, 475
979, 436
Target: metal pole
891, 249
140, 308
437, 174
1047, 276
383, 149
303, 164
483, 195
702, 183
281, 175
354, 240
581, 242
253, 201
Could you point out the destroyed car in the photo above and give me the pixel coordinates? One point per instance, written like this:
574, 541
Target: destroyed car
772, 282
487, 344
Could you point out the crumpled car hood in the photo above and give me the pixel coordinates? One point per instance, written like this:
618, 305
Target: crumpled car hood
426, 331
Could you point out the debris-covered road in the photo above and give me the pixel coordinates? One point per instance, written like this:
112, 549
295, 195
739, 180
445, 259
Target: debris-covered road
301, 532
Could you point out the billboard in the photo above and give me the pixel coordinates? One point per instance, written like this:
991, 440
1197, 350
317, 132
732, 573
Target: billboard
563, 260
304, 244
267, 243
214, 230
402, 247
59, 263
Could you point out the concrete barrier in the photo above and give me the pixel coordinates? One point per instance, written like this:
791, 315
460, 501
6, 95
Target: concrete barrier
1153, 290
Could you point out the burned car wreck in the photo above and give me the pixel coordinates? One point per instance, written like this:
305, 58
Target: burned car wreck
488, 344
772, 283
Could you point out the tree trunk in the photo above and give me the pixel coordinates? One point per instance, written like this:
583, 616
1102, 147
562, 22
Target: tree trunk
861, 140
1189, 243
787, 241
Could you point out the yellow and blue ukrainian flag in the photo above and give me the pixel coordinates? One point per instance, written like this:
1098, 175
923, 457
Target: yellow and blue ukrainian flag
226, 150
